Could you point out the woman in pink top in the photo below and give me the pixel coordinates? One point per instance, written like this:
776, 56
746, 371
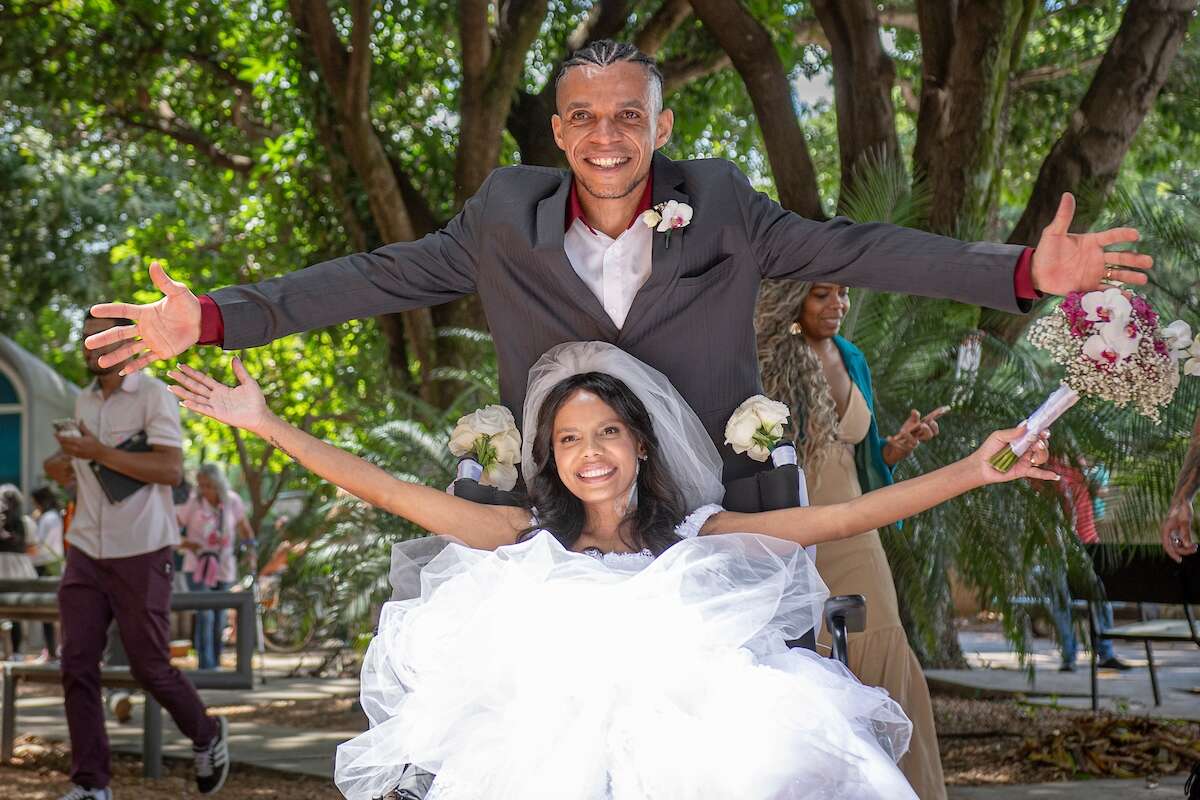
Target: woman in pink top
212, 518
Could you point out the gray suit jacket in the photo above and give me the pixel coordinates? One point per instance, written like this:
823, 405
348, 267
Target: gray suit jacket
694, 317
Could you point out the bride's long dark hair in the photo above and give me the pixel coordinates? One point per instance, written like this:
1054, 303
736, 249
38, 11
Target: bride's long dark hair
659, 508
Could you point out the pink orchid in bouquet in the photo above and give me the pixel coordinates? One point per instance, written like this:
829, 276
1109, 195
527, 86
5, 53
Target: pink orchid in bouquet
1111, 346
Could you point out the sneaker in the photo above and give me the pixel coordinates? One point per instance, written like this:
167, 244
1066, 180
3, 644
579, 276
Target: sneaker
79, 793
1068, 667
414, 785
1115, 663
212, 760
120, 703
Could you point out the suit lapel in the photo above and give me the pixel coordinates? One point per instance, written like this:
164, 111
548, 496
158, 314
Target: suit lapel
551, 216
664, 261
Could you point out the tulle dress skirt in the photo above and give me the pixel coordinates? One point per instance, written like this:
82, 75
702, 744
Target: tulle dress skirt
537, 672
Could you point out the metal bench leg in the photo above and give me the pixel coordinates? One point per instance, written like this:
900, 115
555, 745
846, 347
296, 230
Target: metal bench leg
1092, 635
152, 729
8, 717
1153, 674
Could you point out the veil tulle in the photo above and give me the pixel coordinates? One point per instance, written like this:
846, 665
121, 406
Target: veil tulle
688, 452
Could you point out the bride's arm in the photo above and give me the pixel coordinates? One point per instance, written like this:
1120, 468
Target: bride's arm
243, 406
816, 524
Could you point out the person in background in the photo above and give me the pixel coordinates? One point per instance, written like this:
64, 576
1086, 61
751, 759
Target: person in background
1176, 529
1083, 509
213, 519
46, 552
15, 531
825, 381
119, 568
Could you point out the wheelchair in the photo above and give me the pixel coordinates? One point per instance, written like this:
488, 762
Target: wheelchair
772, 489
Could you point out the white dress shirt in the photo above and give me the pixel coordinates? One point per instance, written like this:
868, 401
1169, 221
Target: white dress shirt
144, 521
614, 269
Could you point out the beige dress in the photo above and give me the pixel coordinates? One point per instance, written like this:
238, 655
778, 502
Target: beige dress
880, 655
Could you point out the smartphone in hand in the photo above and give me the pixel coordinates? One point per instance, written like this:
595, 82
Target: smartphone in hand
66, 427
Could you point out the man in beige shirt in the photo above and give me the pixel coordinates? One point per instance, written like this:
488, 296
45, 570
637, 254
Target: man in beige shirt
119, 567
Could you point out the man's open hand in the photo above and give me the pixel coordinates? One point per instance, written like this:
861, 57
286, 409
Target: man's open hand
162, 329
1077, 262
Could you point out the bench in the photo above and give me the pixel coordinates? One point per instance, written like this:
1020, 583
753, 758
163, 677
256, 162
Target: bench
36, 600
1143, 574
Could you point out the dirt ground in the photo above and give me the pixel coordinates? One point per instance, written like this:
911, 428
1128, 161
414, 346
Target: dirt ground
1004, 741
39, 771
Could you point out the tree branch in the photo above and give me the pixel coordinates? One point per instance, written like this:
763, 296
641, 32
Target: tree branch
896, 18
358, 69
753, 54
808, 31
604, 21
166, 123
1050, 72
662, 23
474, 37
678, 72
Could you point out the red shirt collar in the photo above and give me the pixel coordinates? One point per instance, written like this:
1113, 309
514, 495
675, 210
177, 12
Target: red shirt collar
575, 209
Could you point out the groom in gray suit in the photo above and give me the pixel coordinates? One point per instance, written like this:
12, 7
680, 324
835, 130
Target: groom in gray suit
559, 256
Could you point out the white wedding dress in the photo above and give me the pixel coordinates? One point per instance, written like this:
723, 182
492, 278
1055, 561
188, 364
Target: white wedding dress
537, 672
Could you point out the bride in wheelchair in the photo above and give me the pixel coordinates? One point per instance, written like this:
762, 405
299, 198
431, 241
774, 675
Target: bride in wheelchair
618, 635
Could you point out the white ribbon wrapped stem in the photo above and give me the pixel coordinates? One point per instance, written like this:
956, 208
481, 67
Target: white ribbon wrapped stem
1055, 406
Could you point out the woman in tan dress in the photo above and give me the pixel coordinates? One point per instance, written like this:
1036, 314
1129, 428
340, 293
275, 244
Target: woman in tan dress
825, 381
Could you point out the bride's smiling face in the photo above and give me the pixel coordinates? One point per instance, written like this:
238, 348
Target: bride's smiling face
594, 449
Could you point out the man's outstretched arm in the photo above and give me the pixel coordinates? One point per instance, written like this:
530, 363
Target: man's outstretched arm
1176, 531
397, 277
895, 259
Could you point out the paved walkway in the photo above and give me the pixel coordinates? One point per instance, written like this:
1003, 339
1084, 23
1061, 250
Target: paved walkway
1169, 789
995, 673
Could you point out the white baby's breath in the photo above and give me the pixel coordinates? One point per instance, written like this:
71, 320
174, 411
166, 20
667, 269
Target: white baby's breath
1111, 351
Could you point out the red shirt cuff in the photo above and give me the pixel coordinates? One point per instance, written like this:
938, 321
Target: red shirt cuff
1023, 277
212, 324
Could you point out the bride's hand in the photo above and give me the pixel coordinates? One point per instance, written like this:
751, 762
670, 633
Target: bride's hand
242, 406
1028, 465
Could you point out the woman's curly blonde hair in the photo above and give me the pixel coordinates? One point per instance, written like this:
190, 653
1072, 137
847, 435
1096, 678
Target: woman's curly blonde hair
792, 371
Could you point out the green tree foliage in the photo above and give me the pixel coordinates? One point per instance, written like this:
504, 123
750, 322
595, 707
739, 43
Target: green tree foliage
241, 140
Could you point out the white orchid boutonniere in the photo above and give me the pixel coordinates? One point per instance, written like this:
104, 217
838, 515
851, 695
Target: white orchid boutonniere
490, 436
666, 217
756, 427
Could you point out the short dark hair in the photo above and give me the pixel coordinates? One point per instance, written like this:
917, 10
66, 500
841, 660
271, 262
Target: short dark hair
606, 52
45, 498
115, 320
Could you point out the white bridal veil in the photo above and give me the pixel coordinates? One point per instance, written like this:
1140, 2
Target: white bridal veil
686, 448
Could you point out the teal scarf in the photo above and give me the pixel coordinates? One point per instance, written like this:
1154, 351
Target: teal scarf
873, 471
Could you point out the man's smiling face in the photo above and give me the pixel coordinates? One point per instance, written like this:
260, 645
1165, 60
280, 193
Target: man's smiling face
609, 124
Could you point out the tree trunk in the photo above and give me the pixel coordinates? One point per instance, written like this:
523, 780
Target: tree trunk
493, 63
529, 123
972, 45
863, 76
754, 56
1088, 155
1086, 158
346, 75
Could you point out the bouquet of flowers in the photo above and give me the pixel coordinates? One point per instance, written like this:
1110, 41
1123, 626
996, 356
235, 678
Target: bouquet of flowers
756, 427
489, 437
1111, 346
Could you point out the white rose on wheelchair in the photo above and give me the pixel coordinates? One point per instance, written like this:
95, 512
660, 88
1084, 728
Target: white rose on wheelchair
488, 441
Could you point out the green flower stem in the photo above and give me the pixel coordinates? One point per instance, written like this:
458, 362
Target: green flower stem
763, 437
1004, 460
485, 454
